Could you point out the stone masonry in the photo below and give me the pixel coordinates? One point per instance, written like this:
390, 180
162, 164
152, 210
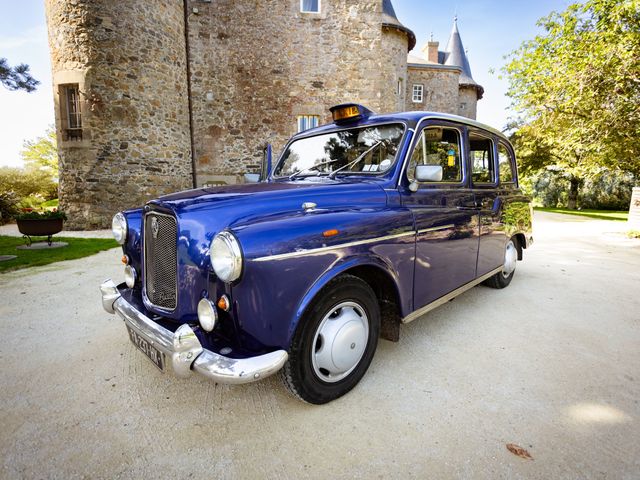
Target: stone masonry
244, 69
252, 78
128, 59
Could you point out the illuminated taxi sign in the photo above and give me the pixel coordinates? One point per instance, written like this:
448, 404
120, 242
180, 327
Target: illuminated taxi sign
348, 112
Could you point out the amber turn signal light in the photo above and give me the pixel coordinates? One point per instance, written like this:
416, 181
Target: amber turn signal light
223, 303
125, 259
330, 233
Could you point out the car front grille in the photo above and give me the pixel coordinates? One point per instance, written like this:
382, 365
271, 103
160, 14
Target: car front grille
160, 259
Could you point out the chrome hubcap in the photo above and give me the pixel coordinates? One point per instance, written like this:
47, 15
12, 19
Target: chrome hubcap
340, 342
510, 259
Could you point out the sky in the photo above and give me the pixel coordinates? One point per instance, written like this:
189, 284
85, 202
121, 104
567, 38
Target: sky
489, 29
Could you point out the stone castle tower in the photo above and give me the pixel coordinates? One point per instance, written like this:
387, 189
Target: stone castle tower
157, 96
121, 102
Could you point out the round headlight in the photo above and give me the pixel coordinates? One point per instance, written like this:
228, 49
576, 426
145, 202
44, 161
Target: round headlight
119, 228
130, 276
207, 315
226, 257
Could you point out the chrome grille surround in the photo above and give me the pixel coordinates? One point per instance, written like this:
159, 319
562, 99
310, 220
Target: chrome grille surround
161, 260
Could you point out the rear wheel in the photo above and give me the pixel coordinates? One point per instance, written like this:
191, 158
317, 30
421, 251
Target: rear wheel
335, 341
503, 278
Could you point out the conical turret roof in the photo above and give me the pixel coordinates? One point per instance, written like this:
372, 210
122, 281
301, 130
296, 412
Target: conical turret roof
390, 19
456, 56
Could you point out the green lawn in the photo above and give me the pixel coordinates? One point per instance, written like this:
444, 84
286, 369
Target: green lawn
77, 248
599, 214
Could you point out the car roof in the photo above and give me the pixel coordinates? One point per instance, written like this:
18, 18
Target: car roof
409, 118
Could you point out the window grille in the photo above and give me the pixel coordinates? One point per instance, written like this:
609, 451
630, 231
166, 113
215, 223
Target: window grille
72, 113
312, 6
305, 122
418, 93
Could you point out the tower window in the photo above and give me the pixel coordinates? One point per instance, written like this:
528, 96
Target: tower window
305, 122
418, 93
310, 6
399, 92
70, 112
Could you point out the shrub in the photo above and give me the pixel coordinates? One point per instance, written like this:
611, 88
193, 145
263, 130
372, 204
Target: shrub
46, 215
8, 206
605, 190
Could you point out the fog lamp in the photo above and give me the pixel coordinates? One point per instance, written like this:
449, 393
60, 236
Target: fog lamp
207, 315
130, 276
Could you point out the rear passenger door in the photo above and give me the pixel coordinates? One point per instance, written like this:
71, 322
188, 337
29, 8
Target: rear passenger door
446, 219
485, 186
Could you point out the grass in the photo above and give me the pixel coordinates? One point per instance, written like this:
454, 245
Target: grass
77, 248
51, 204
599, 214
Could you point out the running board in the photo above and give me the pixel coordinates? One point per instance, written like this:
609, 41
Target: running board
449, 296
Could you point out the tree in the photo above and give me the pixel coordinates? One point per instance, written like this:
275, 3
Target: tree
576, 91
25, 184
42, 153
18, 77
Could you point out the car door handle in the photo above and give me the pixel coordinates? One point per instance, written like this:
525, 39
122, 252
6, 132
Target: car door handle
468, 207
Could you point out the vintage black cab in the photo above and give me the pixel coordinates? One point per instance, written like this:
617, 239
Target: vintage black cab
361, 225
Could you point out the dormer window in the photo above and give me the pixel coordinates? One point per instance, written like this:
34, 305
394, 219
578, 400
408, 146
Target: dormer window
310, 6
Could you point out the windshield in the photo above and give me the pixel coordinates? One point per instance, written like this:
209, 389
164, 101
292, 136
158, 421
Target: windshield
368, 150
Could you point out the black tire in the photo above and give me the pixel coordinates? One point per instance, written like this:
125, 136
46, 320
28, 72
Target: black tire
503, 279
300, 374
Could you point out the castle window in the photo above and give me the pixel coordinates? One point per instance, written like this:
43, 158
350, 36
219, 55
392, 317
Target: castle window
310, 6
305, 122
70, 112
399, 92
418, 93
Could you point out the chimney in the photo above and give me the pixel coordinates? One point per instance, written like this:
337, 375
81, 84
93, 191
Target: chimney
430, 50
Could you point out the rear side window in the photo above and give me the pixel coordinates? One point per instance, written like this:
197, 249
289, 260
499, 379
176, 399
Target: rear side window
505, 164
481, 152
438, 146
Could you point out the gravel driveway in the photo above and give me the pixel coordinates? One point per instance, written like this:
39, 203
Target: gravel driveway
551, 364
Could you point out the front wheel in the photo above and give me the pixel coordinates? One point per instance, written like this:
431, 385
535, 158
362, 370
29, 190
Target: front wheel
503, 278
335, 341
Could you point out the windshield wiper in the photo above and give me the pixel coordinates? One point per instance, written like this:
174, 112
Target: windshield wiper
312, 167
356, 161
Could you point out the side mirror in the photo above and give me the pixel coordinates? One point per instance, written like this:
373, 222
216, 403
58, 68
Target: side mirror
428, 173
425, 173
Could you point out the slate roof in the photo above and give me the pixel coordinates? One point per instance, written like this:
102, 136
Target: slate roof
455, 55
390, 20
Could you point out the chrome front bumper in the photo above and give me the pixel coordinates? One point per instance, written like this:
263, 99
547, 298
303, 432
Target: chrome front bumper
183, 350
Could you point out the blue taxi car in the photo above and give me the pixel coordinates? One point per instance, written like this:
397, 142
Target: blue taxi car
361, 225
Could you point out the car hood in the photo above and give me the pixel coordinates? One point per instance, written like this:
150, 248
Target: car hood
202, 213
235, 204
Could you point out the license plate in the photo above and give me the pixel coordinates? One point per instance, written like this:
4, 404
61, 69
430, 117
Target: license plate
155, 355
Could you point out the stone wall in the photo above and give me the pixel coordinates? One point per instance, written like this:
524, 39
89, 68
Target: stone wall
129, 61
440, 92
468, 102
392, 71
252, 77
254, 67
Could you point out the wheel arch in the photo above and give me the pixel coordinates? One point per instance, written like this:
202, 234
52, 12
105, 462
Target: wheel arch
382, 280
521, 243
